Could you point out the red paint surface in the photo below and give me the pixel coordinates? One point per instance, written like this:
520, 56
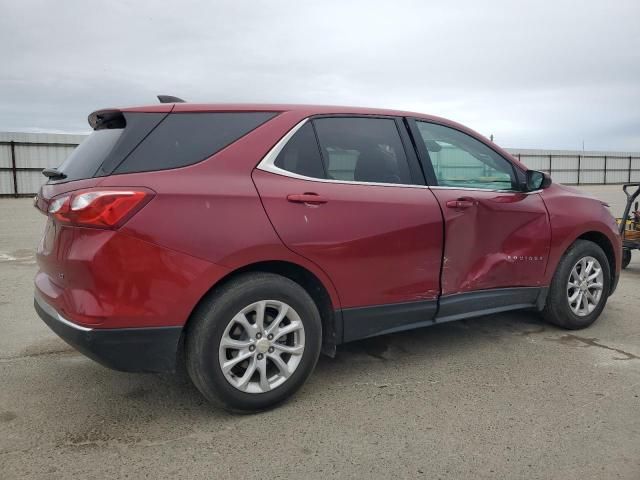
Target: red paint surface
110, 279
502, 240
573, 213
379, 244
368, 245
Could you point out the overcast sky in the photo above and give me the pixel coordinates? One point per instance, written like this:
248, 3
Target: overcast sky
543, 74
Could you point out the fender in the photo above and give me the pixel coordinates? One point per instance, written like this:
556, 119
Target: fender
573, 216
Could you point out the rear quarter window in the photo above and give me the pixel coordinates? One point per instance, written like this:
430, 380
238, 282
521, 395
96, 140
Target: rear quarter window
301, 154
183, 139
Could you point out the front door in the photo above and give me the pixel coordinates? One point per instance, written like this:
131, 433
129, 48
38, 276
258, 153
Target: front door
346, 194
496, 237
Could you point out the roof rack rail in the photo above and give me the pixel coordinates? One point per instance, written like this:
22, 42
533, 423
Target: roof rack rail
170, 99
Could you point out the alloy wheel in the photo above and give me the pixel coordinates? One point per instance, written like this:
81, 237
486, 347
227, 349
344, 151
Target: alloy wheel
262, 346
584, 287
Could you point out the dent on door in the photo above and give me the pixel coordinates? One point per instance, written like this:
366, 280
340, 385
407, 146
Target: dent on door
502, 240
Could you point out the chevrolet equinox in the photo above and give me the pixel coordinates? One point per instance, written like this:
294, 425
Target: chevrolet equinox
248, 239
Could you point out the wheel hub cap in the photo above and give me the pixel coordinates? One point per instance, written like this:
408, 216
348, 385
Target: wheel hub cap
261, 346
585, 285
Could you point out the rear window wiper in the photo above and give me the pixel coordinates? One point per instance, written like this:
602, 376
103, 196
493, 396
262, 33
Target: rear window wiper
53, 173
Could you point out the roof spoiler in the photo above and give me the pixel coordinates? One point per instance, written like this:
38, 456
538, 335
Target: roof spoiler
113, 118
170, 99
104, 119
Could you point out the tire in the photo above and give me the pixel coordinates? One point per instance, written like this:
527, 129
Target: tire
559, 310
626, 257
220, 316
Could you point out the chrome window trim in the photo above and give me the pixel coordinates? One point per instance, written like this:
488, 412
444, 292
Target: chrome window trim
439, 187
443, 187
54, 313
267, 164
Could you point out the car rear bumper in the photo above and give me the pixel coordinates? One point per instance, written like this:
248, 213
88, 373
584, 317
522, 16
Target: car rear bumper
151, 349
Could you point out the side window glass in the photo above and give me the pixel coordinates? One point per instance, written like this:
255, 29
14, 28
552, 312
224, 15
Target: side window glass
301, 155
362, 149
460, 160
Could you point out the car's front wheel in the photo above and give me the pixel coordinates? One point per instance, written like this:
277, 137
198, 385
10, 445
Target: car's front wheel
253, 342
626, 257
580, 287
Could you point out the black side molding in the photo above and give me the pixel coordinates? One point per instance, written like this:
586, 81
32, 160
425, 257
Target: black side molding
486, 302
363, 322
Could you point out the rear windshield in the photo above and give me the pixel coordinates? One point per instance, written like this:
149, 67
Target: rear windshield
157, 141
85, 160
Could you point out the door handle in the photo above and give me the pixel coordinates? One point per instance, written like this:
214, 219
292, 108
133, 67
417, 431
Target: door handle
309, 198
462, 203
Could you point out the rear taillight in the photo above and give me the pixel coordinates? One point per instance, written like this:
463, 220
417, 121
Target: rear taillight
99, 208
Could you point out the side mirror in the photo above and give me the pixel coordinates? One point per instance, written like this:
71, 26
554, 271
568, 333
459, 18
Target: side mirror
537, 180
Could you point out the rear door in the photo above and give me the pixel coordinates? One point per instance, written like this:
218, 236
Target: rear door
495, 235
347, 194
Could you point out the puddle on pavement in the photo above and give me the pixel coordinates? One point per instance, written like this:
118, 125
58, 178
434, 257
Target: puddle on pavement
577, 341
19, 257
47, 346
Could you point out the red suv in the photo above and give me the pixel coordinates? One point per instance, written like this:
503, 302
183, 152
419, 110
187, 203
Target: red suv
247, 239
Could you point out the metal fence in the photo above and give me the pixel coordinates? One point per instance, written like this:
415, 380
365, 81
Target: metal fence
21, 177
589, 168
23, 156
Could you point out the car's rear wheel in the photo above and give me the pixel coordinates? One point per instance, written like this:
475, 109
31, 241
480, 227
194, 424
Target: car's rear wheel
253, 342
580, 287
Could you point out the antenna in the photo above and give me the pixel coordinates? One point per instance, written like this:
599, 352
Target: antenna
170, 99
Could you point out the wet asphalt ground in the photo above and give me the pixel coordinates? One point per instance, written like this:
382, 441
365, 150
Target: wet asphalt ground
503, 396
